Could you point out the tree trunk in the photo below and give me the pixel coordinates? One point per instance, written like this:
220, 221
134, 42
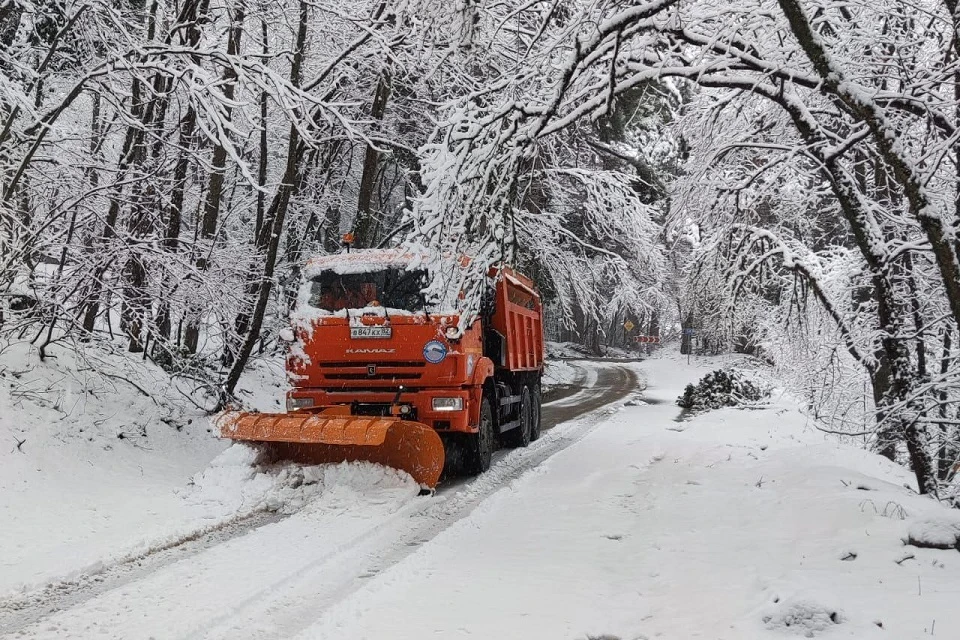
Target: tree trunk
211, 206
365, 223
273, 223
95, 289
944, 244
191, 13
171, 238
890, 313
946, 452
262, 159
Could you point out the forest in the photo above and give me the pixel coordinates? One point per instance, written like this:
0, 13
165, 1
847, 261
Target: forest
780, 176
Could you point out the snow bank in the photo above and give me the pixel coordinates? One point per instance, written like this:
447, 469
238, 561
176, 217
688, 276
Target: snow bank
235, 484
936, 531
803, 616
572, 350
566, 350
557, 373
617, 352
97, 449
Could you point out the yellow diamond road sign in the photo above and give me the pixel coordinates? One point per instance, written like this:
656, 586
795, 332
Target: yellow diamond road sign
628, 325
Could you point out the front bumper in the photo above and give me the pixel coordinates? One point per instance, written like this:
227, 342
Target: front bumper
372, 402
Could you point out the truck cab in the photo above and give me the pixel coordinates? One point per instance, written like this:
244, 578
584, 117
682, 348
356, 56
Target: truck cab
367, 340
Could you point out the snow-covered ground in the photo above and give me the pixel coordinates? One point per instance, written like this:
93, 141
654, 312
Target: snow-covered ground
572, 350
733, 524
566, 350
559, 373
93, 470
736, 524
103, 459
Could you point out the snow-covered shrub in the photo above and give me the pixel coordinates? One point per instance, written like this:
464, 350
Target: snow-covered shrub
721, 388
803, 617
941, 531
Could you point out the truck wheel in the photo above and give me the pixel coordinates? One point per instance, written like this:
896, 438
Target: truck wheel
521, 435
536, 401
479, 449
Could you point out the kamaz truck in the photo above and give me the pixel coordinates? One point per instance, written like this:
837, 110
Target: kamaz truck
377, 373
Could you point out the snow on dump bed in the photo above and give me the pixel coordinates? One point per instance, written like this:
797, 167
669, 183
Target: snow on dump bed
364, 261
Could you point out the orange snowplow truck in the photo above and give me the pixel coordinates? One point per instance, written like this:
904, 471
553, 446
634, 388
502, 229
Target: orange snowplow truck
377, 375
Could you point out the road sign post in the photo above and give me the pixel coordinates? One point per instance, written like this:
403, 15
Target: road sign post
686, 342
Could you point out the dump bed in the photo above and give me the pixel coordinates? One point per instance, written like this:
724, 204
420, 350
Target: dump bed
518, 317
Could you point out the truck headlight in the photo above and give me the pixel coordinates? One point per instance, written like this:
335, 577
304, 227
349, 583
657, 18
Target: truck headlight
448, 404
295, 404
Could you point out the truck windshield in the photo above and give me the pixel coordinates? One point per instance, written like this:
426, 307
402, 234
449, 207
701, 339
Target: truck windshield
391, 288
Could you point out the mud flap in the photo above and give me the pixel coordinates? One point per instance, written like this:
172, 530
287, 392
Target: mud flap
310, 438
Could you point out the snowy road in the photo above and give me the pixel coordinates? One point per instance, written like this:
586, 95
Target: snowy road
622, 523
272, 580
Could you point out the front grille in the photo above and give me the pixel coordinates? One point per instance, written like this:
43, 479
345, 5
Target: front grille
376, 376
353, 365
354, 371
343, 394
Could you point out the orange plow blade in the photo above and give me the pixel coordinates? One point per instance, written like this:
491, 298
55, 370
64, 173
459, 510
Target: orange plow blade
311, 438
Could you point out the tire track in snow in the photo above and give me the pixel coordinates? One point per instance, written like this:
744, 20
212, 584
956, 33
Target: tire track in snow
22, 610
380, 550
290, 608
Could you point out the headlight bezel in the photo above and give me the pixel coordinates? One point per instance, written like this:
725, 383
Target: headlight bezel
447, 403
299, 403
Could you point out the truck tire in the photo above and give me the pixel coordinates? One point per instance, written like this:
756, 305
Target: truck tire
536, 401
521, 435
478, 451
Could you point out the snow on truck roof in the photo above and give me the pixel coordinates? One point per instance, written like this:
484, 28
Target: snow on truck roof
364, 261
374, 260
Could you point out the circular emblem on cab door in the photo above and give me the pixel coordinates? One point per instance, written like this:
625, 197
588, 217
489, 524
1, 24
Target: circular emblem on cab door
434, 352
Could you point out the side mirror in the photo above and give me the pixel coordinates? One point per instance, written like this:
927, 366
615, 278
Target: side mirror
286, 334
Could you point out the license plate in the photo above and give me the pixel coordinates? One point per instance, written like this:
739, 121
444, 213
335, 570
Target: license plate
370, 332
